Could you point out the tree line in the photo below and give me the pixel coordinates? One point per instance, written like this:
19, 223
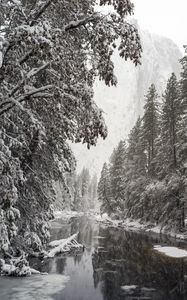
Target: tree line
146, 176
80, 193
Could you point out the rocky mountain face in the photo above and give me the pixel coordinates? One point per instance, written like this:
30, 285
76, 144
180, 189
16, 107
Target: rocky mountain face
124, 103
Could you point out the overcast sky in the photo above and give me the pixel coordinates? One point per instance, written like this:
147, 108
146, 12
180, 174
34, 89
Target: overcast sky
164, 17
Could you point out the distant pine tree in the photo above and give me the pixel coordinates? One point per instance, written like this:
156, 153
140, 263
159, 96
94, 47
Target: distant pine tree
93, 198
77, 193
150, 126
117, 164
104, 191
136, 151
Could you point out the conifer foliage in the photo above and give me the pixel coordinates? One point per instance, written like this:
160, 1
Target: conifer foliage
150, 126
50, 54
104, 190
152, 171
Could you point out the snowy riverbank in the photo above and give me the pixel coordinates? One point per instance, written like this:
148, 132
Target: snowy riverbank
132, 225
137, 225
127, 224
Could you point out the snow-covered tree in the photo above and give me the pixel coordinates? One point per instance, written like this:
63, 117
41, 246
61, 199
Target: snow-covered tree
104, 191
135, 175
182, 133
50, 54
136, 150
150, 126
167, 140
117, 166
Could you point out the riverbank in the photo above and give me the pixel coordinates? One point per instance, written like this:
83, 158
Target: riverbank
128, 224
137, 225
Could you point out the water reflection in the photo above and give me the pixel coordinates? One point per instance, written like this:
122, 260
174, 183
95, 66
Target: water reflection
115, 265
130, 260
114, 261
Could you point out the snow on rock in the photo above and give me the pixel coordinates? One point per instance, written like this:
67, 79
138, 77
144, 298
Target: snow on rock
64, 245
171, 251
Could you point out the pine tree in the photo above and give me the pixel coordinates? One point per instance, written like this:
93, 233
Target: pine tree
135, 171
182, 142
182, 132
150, 126
169, 121
117, 164
104, 191
85, 182
136, 151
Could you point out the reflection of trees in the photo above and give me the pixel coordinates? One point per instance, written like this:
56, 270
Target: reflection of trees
87, 230
128, 259
60, 265
60, 229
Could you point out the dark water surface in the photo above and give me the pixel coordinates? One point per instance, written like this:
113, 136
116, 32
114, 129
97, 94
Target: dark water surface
115, 265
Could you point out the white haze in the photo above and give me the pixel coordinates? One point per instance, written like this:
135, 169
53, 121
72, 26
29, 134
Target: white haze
164, 17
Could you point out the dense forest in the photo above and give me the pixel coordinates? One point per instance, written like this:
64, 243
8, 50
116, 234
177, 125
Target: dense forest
51, 52
80, 193
145, 178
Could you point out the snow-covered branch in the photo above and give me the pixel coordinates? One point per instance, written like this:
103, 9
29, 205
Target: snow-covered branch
25, 56
64, 245
81, 22
8, 104
40, 11
30, 74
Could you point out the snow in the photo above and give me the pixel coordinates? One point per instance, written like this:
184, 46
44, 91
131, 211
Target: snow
67, 214
128, 287
104, 218
64, 245
127, 224
34, 287
137, 225
16, 267
98, 237
7, 269
171, 251
33, 271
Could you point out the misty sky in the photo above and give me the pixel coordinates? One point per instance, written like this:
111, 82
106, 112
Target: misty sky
165, 17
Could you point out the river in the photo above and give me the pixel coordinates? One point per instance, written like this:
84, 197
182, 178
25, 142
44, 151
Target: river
114, 265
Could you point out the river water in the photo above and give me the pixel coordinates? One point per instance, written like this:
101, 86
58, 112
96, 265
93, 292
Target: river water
115, 265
